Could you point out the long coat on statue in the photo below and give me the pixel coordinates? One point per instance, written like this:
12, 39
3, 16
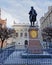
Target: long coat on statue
33, 15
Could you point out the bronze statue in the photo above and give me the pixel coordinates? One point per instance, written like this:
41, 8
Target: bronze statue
32, 16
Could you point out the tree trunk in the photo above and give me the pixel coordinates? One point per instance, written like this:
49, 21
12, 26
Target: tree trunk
2, 43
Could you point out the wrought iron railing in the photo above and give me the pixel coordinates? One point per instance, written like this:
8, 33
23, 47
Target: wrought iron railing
13, 56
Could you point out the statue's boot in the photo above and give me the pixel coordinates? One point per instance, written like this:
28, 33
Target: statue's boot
31, 23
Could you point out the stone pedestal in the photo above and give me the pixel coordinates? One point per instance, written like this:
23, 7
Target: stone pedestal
34, 42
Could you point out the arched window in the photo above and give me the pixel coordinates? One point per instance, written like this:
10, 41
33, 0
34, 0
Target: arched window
26, 42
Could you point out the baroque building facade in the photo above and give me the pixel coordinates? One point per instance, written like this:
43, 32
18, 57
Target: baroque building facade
22, 36
46, 20
46, 23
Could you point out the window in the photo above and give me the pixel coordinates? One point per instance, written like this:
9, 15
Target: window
18, 43
25, 34
26, 42
25, 29
16, 34
21, 34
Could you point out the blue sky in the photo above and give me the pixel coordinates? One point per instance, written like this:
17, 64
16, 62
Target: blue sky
18, 9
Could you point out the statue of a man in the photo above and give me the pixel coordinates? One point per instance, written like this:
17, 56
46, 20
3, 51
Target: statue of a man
32, 16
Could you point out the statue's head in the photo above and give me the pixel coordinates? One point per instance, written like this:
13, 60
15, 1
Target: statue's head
31, 7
